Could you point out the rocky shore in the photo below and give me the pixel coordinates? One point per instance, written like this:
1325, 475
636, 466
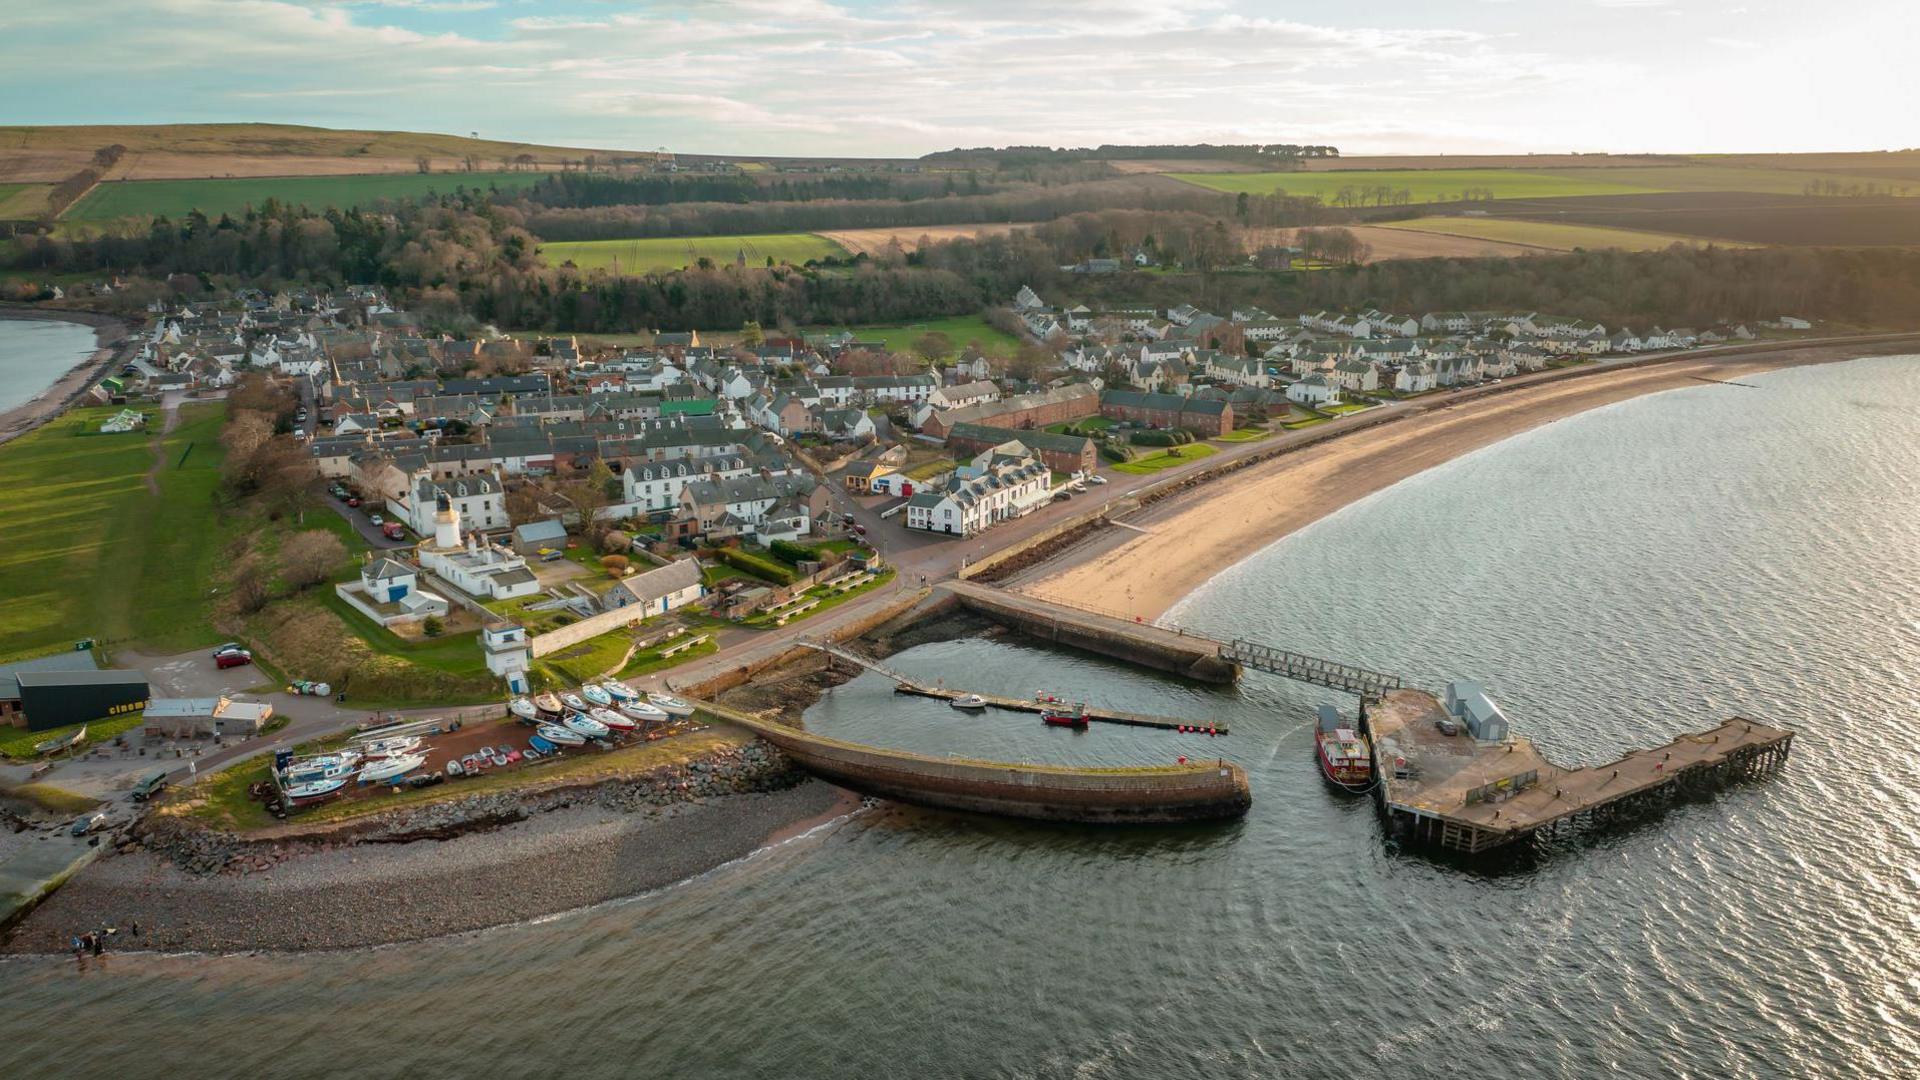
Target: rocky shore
459, 865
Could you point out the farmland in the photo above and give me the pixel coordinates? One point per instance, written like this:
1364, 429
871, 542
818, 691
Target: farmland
657, 254
1554, 236
144, 198
1384, 242
875, 241
104, 555
1424, 185
1756, 219
22, 200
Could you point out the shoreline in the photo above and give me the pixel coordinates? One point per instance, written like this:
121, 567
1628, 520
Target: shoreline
1167, 551
109, 333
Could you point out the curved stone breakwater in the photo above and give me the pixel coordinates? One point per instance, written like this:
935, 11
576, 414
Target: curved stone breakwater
453, 866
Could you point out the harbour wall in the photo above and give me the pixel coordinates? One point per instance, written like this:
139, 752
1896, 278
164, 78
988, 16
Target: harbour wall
1135, 643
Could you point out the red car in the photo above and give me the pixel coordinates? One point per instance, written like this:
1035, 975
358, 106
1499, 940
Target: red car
233, 659
353, 500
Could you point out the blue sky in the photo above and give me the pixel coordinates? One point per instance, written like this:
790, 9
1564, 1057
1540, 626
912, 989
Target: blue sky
909, 76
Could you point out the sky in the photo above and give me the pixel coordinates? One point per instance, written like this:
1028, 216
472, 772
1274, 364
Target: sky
905, 77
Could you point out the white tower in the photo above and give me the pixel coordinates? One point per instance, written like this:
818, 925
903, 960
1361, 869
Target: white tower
446, 523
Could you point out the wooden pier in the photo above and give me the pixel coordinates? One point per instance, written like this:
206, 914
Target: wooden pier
1468, 796
904, 685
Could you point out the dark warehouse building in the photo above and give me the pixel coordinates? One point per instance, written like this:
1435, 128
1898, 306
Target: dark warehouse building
51, 699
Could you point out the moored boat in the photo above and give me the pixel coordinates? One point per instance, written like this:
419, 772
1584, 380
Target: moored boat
615, 719
1344, 756
1067, 716
596, 695
969, 702
387, 768
645, 712
620, 691
524, 709
559, 735
672, 706
547, 704
586, 725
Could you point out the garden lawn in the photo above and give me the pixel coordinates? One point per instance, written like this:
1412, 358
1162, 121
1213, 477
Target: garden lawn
828, 600
588, 659
664, 253
648, 661
176, 198
1244, 435
101, 556
1167, 459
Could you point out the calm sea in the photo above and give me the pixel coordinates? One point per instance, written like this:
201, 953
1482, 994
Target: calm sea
34, 353
1615, 578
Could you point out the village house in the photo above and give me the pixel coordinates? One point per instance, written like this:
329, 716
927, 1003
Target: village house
1206, 418
1062, 453
1001, 483
657, 591
1315, 390
1035, 410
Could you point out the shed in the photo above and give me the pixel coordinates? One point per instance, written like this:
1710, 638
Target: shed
528, 539
51, 699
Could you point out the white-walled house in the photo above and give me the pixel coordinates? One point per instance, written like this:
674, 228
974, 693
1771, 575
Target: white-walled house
479, 499
1314, 390
660, 590
1413, 378
1004, 482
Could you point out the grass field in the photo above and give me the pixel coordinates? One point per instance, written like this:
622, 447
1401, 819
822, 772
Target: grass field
663, 253
1166, 459
1424, 185
22, 200
1546, 234
962, 330
143, 198
1765, 181
102, 555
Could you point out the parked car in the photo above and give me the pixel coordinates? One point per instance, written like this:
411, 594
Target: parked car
1062, 496
88, 823
152, 785
353, 500
860, 529
1096, 479
233, 659
376, 520
231, 646
392, 530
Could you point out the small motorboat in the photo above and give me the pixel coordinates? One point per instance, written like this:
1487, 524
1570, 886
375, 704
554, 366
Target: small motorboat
596, 695
614, 719
542, 745
315, 790
394, 747
620, 691
547, 704
671, 705
645, 712
1066, 716
454, 769
573, 702
969, 702
586, 725
473, 763
388, 768
524, 709
558, 735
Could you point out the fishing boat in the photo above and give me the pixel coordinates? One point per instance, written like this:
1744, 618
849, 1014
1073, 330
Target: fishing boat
313, 791
547, 704
1345, 757
969, 702
615, 719
620, 691
596, 695
524, 709
1066, 716
324, 767
573, 702
586, 725
391, 747
559, 736
387, 768
644, 712
670, 705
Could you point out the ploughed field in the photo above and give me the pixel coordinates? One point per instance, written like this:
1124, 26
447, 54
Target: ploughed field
1734, 216
663, 253
174, 198
1544, 235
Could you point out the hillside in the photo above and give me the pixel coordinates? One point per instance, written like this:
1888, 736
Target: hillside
196, 151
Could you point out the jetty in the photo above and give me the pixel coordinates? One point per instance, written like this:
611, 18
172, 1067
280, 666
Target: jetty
1471, 796
904, 685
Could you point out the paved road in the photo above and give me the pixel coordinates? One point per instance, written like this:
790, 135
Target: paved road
363, 525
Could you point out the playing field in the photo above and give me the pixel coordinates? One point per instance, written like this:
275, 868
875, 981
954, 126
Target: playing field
141, 198
1422, 185
102, 554
961, 330
657, 254
1542, 234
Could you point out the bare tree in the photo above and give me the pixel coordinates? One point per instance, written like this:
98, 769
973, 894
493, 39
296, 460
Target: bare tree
311, 557
250, 591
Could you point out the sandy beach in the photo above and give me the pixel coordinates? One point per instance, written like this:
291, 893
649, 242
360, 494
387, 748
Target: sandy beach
1182, 542
108, 332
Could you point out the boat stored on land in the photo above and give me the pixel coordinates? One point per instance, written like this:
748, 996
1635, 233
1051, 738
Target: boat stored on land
596, 695
620, 691
392, 747
615, 719
547, 704
586, 725
315, 790
645, 712
559, 736
1345, 758
670, 705
387, 768
573, 702
524, 709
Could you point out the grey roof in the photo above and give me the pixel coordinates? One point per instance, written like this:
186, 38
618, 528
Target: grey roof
109, 677
662, 581
538, 531
67, 661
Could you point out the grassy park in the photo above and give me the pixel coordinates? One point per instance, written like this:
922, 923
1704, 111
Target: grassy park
1170, 458
663, 253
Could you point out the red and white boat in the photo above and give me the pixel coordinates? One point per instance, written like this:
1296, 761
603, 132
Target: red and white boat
1064, 715
1345, 757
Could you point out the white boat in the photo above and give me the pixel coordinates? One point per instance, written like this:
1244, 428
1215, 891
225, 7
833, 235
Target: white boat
547, 704
586, 725
596, 695
324, 767
614, 719
645, 713
387, 768
391, 747
523, 708
559, 736
314, 790
671, 705
969, 701
573, 702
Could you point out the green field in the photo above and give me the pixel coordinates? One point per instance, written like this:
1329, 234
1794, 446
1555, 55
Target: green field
141, 198
1549, 234
99, 555
22, 200
662, 253
1166, 459
1424, 185
961, 330
1736, 178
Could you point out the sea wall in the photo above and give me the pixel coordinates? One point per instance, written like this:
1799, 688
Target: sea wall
1208, 791
1146, 646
